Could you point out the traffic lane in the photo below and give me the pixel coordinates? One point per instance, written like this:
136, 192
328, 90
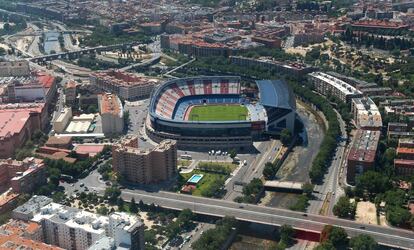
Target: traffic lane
267, 210
266, 215
389, 236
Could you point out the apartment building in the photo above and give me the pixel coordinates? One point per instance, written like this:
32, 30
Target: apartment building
17, 124
328, 85
15, 68
70, 92
291, 69
112, 113
22, 176
362, 153
366, 114
62, 121
17, 234
125, 85
72, 228
144, 166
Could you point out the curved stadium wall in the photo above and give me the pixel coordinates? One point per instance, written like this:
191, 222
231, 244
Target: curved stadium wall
170, 102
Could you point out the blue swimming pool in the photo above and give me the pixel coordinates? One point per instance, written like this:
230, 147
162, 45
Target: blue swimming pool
195, 178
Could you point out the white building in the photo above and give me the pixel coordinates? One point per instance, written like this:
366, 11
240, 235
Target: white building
63, 120
366, 114
72, 228
328, 85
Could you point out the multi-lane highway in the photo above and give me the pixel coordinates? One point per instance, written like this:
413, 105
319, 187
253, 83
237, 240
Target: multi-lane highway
269, 216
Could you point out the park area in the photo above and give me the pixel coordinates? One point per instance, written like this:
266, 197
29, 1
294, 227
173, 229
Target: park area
214, 175
225, 112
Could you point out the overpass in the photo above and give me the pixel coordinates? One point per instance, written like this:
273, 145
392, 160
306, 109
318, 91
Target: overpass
403, 6
155, 58
288, 186
78, 53
388, 236
40, 33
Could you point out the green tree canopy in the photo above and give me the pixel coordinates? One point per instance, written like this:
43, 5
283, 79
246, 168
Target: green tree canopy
363, 242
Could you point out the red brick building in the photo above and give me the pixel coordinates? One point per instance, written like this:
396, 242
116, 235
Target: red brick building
17, 124
362, 154
22, 176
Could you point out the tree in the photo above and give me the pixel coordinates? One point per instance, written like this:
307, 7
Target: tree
185, 217
133, 206
269, 171
285, 137
150, 237
326, 245
120, 203
91, 109
398, 216
173, 229
308, 189
343, 208
338, 237
373, 182
363, 242
286, 234
102, 210
112, 194
233, 153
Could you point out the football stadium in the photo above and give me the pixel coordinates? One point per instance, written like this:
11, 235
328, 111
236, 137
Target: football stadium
211, 112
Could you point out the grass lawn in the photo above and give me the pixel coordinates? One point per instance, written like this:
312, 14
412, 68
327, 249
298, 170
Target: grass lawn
208, 184
226, 167
218, 113
184, 163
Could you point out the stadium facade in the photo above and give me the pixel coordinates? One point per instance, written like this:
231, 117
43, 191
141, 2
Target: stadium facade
171, 102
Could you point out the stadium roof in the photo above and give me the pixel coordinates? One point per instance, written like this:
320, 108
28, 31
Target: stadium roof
276, 93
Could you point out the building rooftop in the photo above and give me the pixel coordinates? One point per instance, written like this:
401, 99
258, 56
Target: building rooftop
276, 93
91, 149
6, 197
19, 227
13, 117
123, 79
403, 150
364, 146
342, 86
72, 217
33, 205
59, 140
405, 163
31, 164
18, 242
368, 114
110, 104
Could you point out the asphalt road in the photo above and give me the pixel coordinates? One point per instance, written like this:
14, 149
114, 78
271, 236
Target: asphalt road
330, 188
269, 216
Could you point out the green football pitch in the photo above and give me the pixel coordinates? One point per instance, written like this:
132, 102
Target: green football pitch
218, 113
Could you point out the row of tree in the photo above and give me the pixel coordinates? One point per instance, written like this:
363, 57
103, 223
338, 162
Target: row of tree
213, 239
376, 41
333, 237
329, 143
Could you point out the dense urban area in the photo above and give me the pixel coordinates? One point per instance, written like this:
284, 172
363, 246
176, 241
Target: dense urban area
206, 124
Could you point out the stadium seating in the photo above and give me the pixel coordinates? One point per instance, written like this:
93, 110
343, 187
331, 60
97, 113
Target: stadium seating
174, 100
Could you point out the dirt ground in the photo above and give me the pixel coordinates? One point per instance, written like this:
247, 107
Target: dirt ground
366, 212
